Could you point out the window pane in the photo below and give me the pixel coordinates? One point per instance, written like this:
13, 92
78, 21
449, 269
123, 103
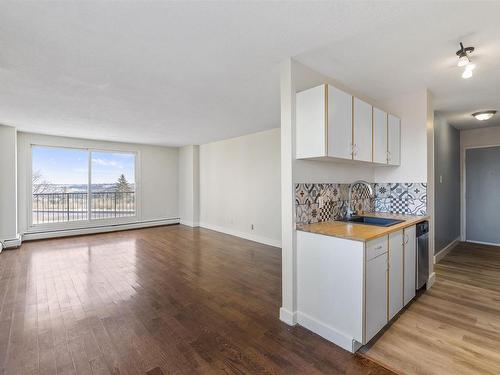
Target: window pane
59, 184
112, 185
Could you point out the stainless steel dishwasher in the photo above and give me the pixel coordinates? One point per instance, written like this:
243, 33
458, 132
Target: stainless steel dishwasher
422, 253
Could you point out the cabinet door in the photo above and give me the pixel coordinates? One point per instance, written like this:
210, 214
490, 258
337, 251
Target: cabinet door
362, 130
376, 296
395, 273
410, 258
311, 123
379, 136
394, 140
339, 123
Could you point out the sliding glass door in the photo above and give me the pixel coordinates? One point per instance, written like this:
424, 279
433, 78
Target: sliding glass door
112, 185
81, 185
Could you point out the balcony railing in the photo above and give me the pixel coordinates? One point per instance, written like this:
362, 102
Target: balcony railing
62, 207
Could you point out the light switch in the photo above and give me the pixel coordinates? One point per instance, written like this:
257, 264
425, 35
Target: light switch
440, 179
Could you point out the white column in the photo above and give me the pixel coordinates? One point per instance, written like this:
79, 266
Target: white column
189, 185
288, 233
9, 236
430, 187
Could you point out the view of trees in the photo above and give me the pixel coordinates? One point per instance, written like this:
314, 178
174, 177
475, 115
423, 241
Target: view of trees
122, 185
39, 184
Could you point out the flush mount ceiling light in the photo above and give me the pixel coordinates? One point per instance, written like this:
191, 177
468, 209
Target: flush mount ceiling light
464, 60
484, 115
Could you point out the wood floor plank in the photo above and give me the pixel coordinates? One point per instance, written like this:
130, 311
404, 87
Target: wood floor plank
164, 300
454, 328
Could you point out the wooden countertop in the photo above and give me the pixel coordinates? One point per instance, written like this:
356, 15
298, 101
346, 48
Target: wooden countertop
360, 232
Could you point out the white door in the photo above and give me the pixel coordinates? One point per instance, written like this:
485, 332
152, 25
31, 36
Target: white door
376, 295
362, 130
410, 261
379, 136
394, 140
395, 273
339, 123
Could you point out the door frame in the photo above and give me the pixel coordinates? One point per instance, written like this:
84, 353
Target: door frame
463, 191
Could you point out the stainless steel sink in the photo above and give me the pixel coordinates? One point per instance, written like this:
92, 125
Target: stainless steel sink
377, 221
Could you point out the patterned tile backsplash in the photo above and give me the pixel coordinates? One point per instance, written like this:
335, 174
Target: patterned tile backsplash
323, 202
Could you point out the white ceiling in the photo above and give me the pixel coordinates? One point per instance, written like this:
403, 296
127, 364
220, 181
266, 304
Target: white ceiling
176, 73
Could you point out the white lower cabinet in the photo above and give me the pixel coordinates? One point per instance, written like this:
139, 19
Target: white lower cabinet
376, 287
347, 290
410, 260
395, 273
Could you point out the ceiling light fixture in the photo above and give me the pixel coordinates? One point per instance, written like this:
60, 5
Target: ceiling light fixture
484, 115
463, 55
464, 60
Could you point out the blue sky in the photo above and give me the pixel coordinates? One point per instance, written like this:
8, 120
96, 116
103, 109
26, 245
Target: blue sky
70, 166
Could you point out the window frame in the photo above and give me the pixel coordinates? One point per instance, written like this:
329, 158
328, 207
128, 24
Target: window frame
88, 222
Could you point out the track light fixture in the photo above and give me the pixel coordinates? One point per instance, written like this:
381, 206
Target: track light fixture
464, 60
463, 55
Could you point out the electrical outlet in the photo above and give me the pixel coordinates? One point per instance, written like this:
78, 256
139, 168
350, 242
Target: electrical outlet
320, 202
252, 227
440, 179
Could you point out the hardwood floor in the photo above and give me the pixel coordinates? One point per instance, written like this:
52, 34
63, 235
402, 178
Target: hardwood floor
165, 300
454, 328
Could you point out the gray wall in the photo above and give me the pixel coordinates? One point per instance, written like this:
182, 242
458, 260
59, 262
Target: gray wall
482, 171
447, 177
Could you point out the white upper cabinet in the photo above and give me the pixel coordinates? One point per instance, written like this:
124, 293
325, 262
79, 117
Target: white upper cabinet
362, 130
332, 124
339, 123
311, 123
324, 123
393, 140
380, 149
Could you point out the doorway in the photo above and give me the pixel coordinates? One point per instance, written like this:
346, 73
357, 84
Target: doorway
482, 195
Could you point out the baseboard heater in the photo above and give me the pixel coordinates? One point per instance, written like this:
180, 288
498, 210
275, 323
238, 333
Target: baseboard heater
37, 235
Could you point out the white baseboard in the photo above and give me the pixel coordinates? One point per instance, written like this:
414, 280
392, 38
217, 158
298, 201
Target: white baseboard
189, 223
11, 243
430, 281
328, 332
247, 236
484, 243
288, 317
100, 229
445, 250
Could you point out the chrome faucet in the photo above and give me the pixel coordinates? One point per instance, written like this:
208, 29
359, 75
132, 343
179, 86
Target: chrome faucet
350, 211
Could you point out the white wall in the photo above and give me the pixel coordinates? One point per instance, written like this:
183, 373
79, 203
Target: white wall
189, 185
156, 177
482, 137
240, 186
8, 190
447, 178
